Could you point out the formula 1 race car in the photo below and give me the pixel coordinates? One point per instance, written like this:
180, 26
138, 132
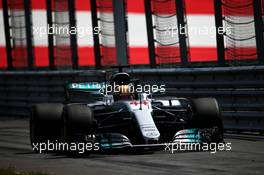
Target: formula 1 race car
124, 119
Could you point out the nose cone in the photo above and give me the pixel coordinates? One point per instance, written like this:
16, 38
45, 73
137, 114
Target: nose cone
150, 132
147, 125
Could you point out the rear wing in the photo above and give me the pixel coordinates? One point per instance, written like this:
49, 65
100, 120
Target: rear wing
93, 89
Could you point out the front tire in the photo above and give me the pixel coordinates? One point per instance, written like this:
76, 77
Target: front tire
45, 122
78, 121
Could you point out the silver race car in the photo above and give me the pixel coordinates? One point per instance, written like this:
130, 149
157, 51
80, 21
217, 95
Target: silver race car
117, 117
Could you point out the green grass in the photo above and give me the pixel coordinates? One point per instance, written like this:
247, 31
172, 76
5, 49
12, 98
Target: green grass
13, 171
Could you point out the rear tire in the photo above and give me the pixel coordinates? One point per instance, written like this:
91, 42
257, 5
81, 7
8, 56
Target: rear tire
207, 114
45, 122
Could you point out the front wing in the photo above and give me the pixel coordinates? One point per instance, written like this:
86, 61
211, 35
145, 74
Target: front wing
116, 141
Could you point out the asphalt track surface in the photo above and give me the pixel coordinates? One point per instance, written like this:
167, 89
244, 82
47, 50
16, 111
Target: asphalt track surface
245, 157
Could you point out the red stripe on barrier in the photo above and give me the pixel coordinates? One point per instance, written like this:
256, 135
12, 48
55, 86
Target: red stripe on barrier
38, 4
86, 56
137, 6
3, 59
83, 5
205, 7
199, 7
239, 53
138, 55
41, 56
198, 54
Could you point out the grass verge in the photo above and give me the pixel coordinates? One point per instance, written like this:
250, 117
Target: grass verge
13, 171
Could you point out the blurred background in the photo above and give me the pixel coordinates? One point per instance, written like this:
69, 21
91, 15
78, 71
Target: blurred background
240, 43
196, 62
